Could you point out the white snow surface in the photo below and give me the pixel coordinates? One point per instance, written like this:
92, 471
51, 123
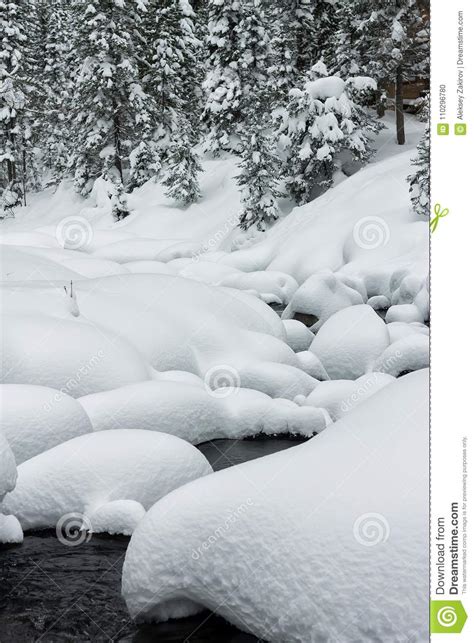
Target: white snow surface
338, 397
10, 529
8, 473
198, 414
245, 541
90, 471
36, 418
350, 341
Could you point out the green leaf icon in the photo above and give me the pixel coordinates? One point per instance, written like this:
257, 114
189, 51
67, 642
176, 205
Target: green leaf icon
447, 617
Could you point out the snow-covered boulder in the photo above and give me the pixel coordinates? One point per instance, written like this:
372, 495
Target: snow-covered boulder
319, 297
311, 364
198, 414
36, 418
410, 353
350, 341
172, 323
295, 539
298, 336
8, 472
117, 517
398, 330
10, 529
86, 473
71, 355
404, 313
277, 283
338, 397
277, 380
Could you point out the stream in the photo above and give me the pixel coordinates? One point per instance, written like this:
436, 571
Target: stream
53, 593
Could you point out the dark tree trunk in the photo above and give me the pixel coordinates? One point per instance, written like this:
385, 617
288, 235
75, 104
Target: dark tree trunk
117, 145
380, 106
400, 120
11, 166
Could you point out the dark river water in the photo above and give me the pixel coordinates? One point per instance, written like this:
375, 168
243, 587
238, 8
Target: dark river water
52, 593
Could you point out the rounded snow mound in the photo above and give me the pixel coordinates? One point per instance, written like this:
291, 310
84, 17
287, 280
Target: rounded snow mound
350, 341
245, 541
198, 414
36, 418
84, 474
71, 355
338, 397
319, 297
10, 530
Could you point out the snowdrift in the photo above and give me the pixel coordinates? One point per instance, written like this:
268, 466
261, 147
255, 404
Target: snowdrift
87, 474
197, 414
36, 418
282, 546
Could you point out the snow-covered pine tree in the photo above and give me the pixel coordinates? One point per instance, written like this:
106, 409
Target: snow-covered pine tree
292, 41
319, 122
260, 169
239, 61
171, 74
420, 179
145, 163
183, 167
13, 94
389, 42
222, 84
54, 42
325, 23
110, 108
118, 199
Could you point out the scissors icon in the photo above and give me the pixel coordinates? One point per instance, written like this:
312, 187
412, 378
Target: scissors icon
439, 214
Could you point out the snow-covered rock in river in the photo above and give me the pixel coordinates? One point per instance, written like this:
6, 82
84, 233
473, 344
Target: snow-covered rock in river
321, 295
72, 355
398, 330
86, 474
338, 397
410, 353
36, 418
404, 313
244, 542
198, 414
350, 341
10, 529
298, 336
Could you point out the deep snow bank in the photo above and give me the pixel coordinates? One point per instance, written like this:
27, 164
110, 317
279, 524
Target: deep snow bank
36, 418
198, 414
284, 545
87, 474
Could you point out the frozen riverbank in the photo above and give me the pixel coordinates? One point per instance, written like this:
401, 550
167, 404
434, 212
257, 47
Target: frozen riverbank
53, 592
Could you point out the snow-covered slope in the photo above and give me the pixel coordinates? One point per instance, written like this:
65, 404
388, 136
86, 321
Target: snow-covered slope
325, 541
